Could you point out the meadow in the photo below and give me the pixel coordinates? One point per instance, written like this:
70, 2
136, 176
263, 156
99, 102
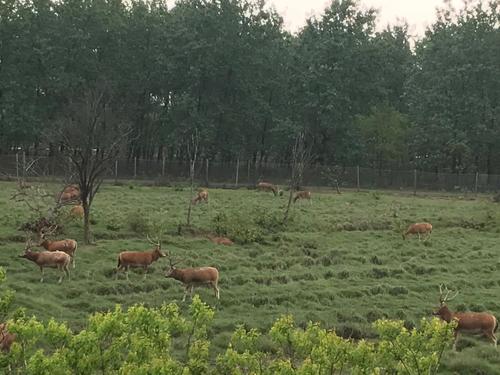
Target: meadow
340, 261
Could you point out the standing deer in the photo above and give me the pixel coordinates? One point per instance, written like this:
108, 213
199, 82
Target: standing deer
67, 246
127, 259
48, 259
472, 322
420, 229
266, 186
201, 196
191, 277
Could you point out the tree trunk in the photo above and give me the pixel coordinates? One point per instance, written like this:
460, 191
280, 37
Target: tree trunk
86, 223
290, 197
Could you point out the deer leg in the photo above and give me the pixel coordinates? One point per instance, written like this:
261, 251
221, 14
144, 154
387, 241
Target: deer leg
66, 271
419, 238
73, 261
145, 272
455, 341
492, 336
185, 292
41, 269
216, 290
126, 272
191, 292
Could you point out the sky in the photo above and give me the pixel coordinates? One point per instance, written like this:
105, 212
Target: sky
418, 13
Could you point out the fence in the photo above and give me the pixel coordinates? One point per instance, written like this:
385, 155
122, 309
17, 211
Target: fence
244, 173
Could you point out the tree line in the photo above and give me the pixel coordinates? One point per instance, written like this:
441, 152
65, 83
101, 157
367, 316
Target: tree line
228, 71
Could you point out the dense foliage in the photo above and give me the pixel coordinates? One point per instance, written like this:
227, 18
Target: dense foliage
140, 340
229, 69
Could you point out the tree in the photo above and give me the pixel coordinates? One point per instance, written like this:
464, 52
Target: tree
301, 155
91, 134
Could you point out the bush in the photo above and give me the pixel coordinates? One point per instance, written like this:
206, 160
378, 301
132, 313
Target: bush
138, 223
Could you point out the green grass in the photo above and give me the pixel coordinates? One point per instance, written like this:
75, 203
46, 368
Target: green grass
340, 261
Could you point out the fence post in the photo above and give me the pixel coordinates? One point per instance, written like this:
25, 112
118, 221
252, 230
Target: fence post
357, 178
237, 172
135, 167
163, 166
415, 181
24, 164
476, 182
206, 172
17, 165
116, 171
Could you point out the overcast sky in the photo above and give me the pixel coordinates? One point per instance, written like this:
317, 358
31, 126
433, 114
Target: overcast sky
418, 13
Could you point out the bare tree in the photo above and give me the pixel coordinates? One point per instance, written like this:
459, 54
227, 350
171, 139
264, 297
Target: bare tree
192, 147
301, 156
91, 136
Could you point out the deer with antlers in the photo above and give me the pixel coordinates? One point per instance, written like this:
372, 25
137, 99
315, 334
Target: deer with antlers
472, 322
191, 277
144, 259
67, 246
48, 259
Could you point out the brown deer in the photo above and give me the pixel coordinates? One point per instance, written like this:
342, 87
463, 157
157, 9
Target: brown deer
220, 240
6, 338
77, 211
201, 196
48, 259
472, 322
419, 229
127, 259
302, 195
191, 277
67, 246
266, 186
70, 193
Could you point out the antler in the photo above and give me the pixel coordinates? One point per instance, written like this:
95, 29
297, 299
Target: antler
153, 242
445, 296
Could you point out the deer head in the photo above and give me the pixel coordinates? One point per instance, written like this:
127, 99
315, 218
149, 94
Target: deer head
157, 245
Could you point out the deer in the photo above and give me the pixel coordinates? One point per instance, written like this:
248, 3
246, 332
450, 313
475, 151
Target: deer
266, 186
201, 196
76, 211
144, 259
220, 240
48, 259
67, 246
302, 195
482, 322
420, 229
70, 193
191, 277
6, 338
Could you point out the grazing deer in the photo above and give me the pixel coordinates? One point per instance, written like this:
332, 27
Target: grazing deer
77, 211
6, 338
70, 193
191, 277
201, 196
48, 259
127, 259
420, 229
302, 195
266, 186
472, 322
67, 246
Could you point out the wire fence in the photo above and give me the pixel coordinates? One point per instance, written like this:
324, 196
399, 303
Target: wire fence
246, 173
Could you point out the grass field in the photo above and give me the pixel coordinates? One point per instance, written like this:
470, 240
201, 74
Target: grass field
340, 261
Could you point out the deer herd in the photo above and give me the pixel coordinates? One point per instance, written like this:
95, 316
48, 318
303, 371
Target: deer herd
60, 254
